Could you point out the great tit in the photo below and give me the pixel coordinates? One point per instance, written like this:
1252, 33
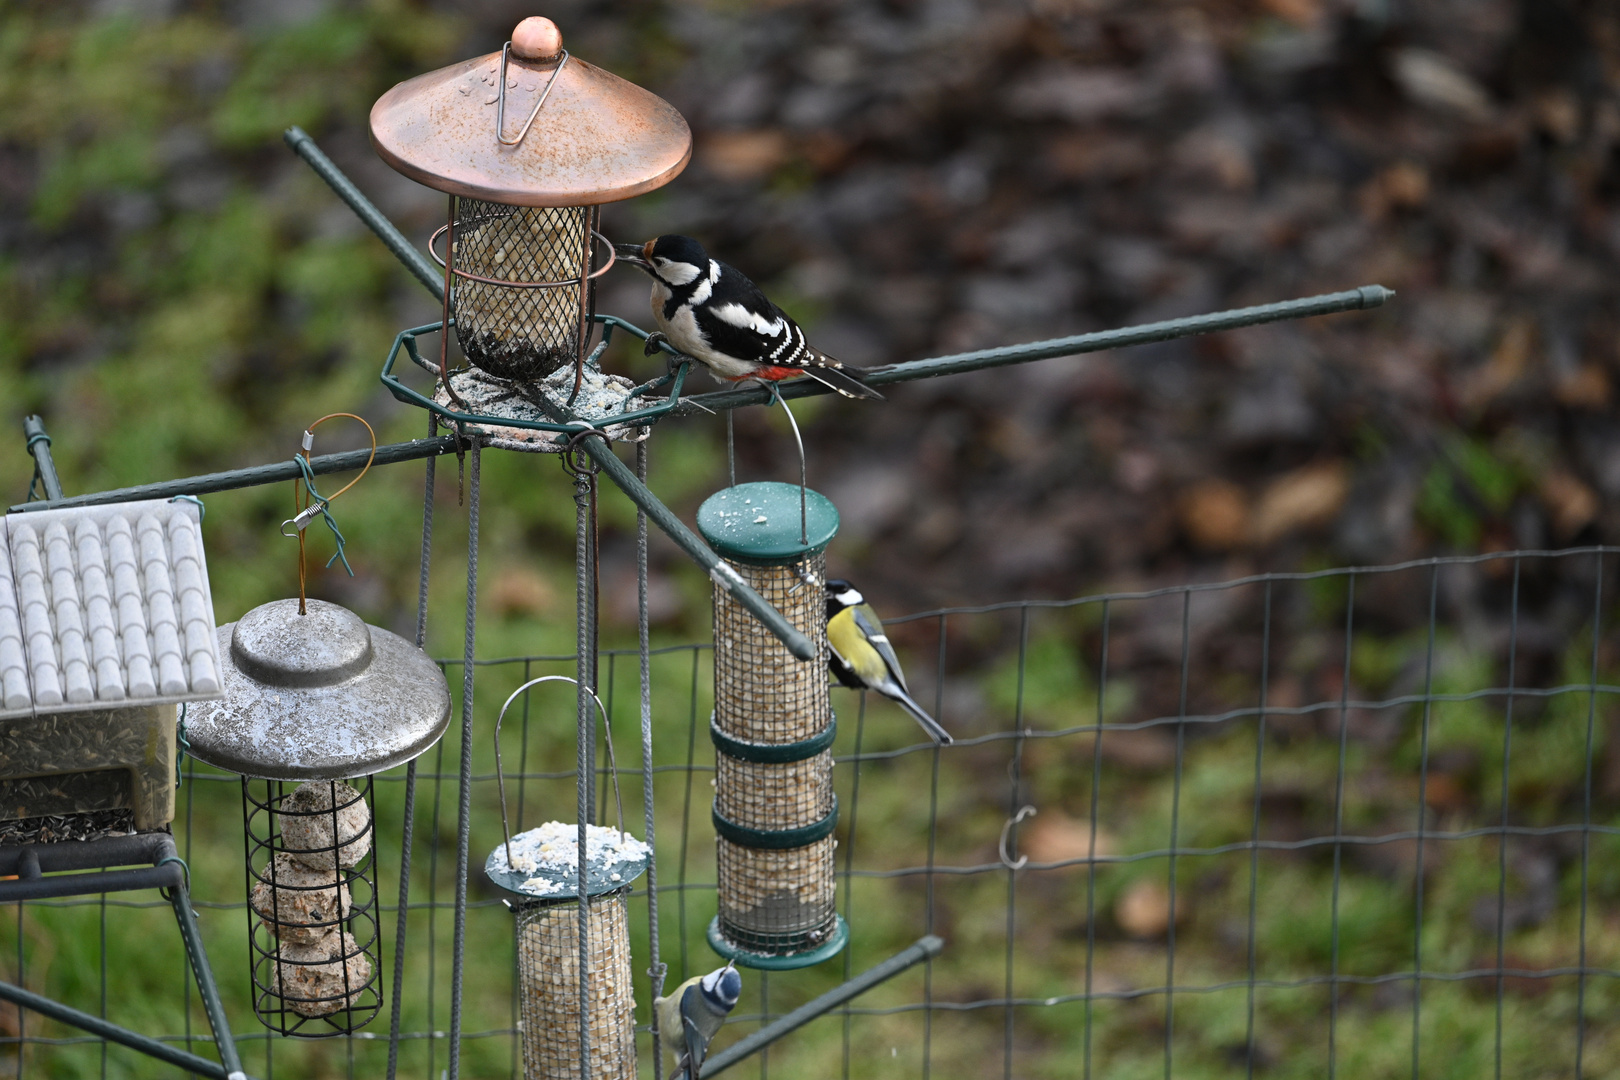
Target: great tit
861, 656
714, 314
691, 1015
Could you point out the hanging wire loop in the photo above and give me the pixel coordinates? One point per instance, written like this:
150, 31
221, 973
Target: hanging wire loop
500, 98
804, 513
575, 461
500, 776
311, 504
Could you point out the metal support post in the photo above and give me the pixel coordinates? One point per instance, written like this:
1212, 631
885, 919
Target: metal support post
699, 551
191, 934
39, 445
417, 263
95, 1025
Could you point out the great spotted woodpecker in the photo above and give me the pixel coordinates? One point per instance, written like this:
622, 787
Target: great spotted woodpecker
862, 658
715, 315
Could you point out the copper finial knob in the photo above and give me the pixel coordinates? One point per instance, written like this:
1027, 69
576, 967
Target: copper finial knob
536, 38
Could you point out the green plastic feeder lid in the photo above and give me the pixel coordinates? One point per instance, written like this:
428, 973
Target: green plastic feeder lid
759, 522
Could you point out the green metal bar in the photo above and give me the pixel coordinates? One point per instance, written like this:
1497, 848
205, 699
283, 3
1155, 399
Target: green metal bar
924, 949
39, 444
718, 569
95, 1025
662, 516
253, 476
1367, 296
431, 277
230, 1061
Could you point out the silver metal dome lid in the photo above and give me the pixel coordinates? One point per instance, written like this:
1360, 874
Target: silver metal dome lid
320, 696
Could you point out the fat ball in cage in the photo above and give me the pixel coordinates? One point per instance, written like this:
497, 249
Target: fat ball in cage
311, 701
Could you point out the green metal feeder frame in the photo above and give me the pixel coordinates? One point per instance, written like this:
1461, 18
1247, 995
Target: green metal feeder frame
773, 728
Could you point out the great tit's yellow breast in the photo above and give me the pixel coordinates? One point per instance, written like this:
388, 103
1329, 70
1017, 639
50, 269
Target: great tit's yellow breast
847, 640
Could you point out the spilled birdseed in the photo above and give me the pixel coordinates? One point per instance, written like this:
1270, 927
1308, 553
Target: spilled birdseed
49, 829
549, 854
601, 397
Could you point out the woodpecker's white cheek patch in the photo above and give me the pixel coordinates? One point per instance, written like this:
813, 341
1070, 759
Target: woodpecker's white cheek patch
676, 273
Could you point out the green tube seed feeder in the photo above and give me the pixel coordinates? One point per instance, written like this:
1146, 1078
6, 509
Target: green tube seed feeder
773, 728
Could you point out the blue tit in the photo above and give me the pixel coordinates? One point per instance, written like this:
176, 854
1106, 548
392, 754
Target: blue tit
862, 658
691, 1014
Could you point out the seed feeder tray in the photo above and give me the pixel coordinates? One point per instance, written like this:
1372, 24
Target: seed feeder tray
601, 397
513, 416
544, 885
311, 700
106, 624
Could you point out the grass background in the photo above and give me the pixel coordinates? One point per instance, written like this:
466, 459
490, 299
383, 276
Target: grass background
180, 297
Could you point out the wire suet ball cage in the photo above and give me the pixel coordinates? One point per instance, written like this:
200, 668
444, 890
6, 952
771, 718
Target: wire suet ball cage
314, 697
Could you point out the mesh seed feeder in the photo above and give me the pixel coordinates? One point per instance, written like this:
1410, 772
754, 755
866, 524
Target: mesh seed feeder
566, 1018
529, 142
773, 727
544, 887
312, 701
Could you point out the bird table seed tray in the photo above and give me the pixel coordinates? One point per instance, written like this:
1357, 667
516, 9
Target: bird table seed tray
106, 624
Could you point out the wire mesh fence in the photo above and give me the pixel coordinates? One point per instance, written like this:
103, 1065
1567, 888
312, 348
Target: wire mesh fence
1356, 821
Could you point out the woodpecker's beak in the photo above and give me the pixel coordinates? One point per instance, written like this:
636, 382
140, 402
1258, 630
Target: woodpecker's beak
634, 254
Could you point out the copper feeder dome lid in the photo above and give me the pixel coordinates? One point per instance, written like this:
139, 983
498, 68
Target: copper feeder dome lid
595, 137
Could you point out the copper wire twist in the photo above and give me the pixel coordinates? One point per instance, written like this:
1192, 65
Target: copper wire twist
302, 495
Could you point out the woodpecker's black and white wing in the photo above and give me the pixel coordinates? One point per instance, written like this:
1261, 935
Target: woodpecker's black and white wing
741, 321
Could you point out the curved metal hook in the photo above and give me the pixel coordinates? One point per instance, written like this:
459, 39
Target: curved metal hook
500, 778
500, 100
1001, 848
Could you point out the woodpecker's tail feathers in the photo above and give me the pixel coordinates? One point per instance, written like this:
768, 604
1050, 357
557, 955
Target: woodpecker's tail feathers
844, 381
929, 724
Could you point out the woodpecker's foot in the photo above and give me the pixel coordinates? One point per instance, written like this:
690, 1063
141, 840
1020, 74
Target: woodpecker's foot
654, 340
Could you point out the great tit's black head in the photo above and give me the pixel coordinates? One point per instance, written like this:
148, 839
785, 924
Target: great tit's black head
676, 260
840, 595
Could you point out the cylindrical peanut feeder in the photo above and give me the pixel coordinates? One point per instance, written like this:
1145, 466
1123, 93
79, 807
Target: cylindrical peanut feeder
773, 727
566, 1017
310, 700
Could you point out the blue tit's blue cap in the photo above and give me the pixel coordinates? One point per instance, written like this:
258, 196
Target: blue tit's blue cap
723, 987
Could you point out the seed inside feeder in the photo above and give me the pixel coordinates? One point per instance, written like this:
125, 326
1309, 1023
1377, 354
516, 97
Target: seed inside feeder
303, 905
306, 825
323, 978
